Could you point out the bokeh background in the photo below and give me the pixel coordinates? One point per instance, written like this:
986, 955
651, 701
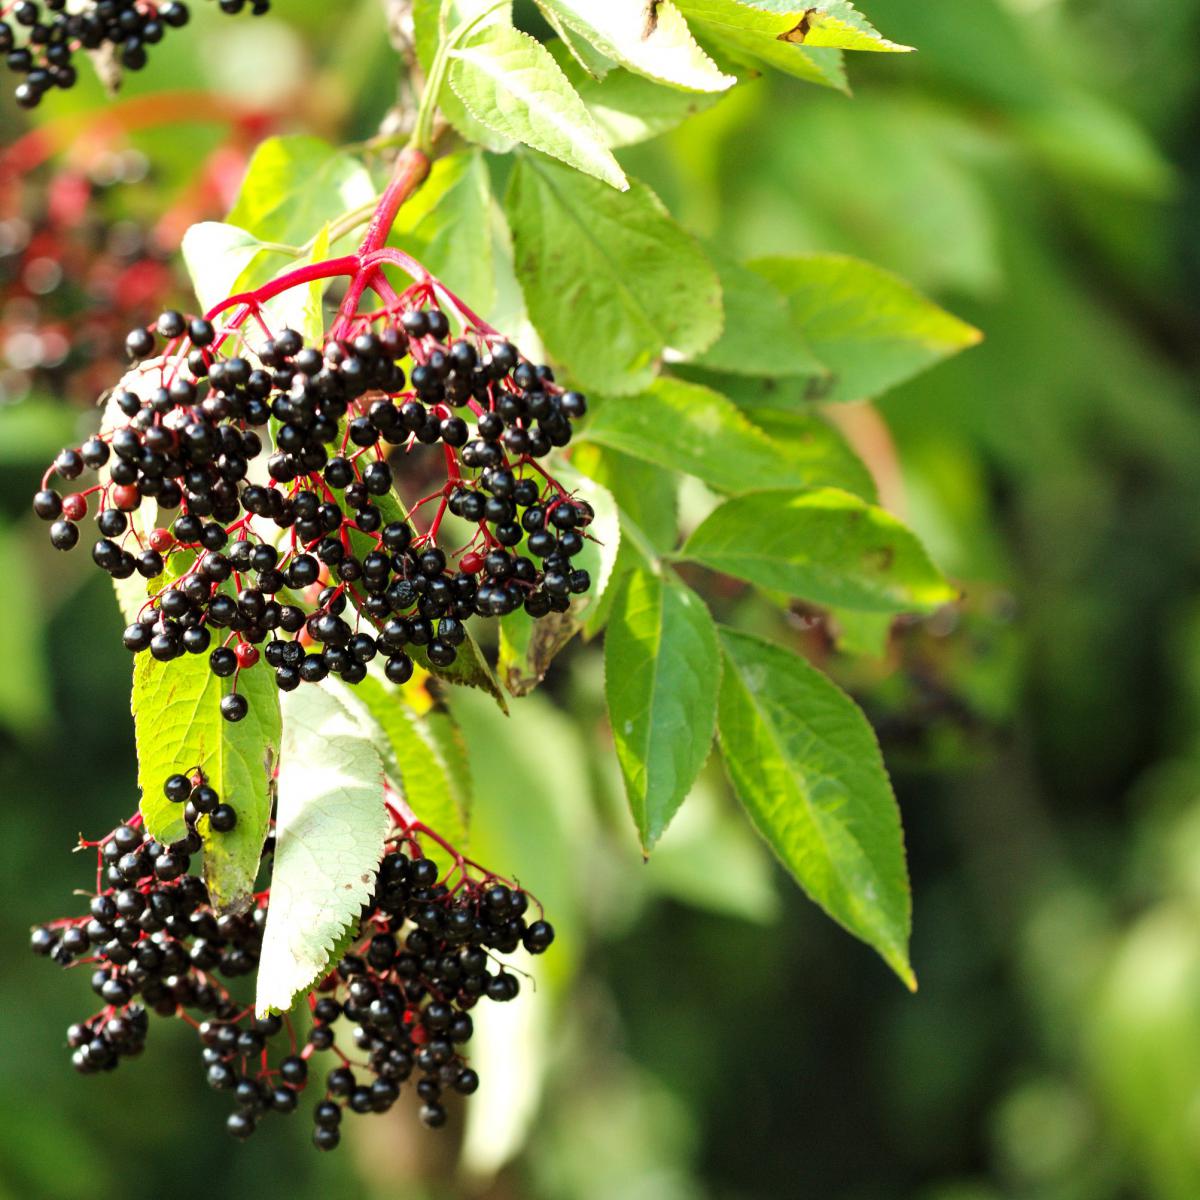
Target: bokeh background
704, 1032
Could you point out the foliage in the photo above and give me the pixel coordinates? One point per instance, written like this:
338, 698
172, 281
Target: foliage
962, 167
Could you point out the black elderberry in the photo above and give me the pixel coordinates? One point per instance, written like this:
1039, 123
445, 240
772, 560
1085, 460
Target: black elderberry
222, 819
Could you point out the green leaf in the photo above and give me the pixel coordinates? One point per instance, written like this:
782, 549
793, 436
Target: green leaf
760, 337
824, 545
428, 26
805, 763
510, 82
611, 281
419, 756
445, 225
469, 669
760, 33
308, 301
178, 726
870, 328
807, 436
644, 494
216, 256
837, 23
330, 827
577, 48
294, 185
602, 537
662, 665
629, 108
709, 438
652, 40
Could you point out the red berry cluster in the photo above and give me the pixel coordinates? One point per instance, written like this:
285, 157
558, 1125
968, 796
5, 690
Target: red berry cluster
73, 279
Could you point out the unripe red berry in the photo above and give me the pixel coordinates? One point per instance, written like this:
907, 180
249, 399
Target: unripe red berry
247, 655
126, 497
74, 506
161, 540
472, 563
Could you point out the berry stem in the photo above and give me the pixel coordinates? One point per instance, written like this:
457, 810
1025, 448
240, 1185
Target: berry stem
410, 170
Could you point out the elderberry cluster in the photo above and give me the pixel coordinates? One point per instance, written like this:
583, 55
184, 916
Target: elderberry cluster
42, 37
424, 956
281, 553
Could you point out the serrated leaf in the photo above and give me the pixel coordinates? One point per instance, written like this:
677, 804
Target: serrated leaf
685, 427
626, 107
430, 18
577, 48
870, 328
837, 23
762, 32
760, 336
823, 545
652, 40
178, 726
610, 280
806, 765
661, 670
446, 226
295, 184
330, 827
510, 82
418, 757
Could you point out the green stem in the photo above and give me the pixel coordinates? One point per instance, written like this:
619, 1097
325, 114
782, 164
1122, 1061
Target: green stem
422, 135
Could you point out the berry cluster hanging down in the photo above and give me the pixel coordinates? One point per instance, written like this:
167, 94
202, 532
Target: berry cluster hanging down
278, 546
424, 955
40, 38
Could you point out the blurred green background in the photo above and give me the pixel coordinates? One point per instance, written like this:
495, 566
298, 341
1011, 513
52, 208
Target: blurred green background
704, 1031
